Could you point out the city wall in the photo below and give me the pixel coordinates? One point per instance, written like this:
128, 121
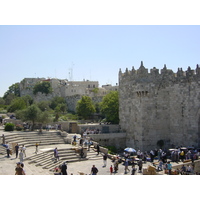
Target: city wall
112, 139
157, 106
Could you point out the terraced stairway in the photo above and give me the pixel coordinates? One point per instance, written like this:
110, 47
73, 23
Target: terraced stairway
31, 138
47, 161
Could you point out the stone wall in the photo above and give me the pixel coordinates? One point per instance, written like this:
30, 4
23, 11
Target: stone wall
113, 139
71, 102
160, 106
111, 128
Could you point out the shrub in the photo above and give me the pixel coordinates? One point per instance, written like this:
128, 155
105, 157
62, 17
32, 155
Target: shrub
9, 127
112, 149
19, 127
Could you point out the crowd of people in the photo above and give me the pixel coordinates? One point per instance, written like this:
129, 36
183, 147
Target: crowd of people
90, 131
160, 158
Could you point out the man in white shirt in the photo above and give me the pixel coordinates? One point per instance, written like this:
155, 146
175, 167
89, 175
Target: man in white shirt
24, 150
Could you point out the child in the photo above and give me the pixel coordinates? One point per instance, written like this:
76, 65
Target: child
111, 170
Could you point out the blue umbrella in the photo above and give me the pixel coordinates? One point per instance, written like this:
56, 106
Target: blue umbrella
130, 150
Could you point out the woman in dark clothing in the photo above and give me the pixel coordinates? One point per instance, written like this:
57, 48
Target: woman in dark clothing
17, 150
64, 169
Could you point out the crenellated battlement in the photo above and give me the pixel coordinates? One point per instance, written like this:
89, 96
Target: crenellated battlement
160, 105
156, 75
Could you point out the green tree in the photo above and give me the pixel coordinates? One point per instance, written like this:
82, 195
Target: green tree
32, 114
110, 107
43, 105
43, 118
2, 101
60, 108
44, 87
28, 100
55, 101
17, 104
85, 107
8, 98
13, 89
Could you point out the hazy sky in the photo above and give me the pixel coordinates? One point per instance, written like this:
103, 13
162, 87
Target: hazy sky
93, 52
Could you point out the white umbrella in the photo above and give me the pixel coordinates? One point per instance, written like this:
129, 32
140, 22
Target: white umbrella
130, 150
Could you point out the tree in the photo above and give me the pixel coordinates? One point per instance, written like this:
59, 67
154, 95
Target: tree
32, 114
43, 117
17, 104
44, 87
110, 107
13, 89
85, 107
2, 101
8, 98
43, 105
20, 103
28, 100
55, 101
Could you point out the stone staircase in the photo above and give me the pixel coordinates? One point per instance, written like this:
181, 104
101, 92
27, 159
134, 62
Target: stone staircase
46, 159
31, 138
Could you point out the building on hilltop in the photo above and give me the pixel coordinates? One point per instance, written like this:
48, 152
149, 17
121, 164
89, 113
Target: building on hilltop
72, 91
161, 106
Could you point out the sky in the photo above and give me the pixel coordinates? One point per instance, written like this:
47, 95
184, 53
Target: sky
93, 52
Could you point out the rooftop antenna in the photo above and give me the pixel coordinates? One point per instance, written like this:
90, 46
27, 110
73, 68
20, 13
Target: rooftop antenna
71, 72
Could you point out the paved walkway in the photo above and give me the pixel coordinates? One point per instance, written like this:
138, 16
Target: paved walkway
7, 165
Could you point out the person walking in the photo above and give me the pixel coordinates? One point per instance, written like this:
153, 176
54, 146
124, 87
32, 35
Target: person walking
16, 150
152, 155
160, 166
22, 166
133, 169
169, 167
64, 169
19, 170
98, 149
56, 154
105, 159
126, 166
111, 170
24, 150
36, 147
3, 139
94, 170
116, 163
140, 165
7, 149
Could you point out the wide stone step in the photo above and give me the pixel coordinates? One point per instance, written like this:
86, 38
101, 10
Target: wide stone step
51, 167
36, 156
27, 144
48, 156
42, 158
45, 162
51, 159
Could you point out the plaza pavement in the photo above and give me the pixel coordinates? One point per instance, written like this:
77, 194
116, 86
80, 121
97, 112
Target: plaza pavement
7, 165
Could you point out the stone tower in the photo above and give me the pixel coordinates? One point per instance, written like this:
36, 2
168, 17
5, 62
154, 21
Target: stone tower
157, 106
